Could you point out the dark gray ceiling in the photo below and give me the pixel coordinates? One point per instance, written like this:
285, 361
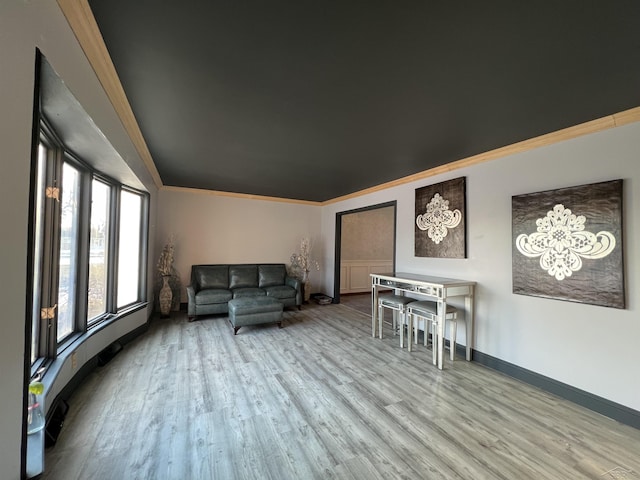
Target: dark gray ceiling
317, 99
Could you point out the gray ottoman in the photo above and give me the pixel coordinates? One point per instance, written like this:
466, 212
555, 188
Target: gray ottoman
254, 311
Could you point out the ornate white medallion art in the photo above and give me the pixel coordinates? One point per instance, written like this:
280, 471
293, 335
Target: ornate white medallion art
561, 242
438, 219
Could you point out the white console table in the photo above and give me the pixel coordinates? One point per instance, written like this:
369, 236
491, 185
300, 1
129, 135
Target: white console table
436, 288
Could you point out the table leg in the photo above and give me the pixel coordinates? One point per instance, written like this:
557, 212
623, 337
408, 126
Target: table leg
374, 310
442, 309
468, 304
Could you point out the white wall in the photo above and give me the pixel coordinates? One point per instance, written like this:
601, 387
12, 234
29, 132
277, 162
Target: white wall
219, 229
23, 27
589, 347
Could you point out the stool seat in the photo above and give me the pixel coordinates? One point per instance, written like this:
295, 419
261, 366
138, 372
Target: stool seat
429, 307
395, 300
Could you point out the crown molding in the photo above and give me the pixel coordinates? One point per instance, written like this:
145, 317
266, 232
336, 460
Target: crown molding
84, 26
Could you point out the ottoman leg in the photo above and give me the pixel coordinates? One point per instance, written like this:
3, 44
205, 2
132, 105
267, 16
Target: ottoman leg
235, 330
279, 324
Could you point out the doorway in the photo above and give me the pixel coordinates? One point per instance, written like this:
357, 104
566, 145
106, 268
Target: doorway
365, 243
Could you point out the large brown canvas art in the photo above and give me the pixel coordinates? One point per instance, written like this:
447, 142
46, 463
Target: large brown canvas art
567, 244
440, 220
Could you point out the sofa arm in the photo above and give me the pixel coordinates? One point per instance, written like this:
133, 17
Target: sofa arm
297, 284
191, 305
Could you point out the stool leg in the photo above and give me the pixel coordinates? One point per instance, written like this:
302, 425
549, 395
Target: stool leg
440, 339
427, 331
395, 322
402, 320
409, 318
434, 344
380, 319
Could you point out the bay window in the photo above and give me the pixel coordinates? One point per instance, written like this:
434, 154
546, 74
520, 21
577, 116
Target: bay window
88, 248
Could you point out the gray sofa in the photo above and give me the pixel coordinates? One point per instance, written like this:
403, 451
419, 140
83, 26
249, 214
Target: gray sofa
212, 286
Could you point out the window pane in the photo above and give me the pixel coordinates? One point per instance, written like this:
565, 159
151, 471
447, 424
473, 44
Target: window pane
97, 294
68, 250
129, 248
38, 252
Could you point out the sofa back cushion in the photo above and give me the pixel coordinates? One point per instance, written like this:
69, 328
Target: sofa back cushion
211, 276
242, 276
271, 275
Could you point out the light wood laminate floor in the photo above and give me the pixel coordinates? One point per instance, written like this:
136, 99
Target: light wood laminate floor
320, 399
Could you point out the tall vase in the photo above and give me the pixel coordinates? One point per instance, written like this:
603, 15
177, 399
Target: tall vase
165, 296
306, 287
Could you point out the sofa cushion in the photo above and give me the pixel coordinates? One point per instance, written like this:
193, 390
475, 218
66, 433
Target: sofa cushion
212, 276
281, 291
248, 292
213, 295
270, 275
241, 276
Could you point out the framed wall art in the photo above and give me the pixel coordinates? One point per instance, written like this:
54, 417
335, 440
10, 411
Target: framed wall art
567, 244
440, 220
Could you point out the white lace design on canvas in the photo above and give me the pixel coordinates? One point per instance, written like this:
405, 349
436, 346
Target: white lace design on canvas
561, 242
438, 219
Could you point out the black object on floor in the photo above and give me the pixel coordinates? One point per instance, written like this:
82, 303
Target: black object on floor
108, 353
54, 423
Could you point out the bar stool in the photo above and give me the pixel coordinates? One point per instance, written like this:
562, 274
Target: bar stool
427, 311
398, 304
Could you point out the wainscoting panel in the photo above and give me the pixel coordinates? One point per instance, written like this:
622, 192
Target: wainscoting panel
354, 274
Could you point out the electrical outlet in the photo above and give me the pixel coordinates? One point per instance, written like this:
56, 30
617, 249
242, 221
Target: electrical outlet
74, 360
